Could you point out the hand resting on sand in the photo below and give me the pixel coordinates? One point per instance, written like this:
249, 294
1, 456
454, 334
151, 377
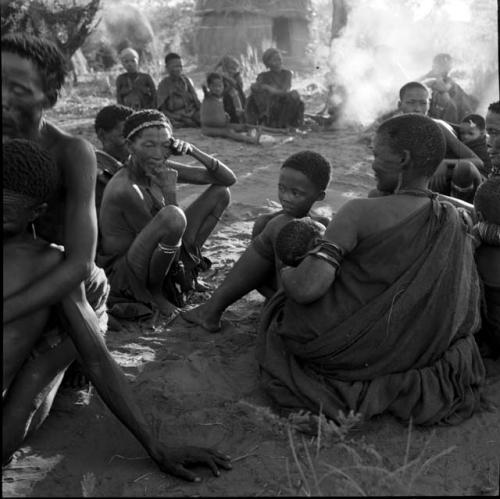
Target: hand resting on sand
175, 460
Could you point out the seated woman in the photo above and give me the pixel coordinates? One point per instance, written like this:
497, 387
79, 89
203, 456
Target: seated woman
272, 103
380, 316
233, 97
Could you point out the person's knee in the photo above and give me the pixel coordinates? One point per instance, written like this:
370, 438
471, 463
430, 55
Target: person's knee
222, 194
172, 221
463, 174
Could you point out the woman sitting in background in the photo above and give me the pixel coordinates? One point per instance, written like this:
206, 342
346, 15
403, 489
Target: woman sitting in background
272, 103
234, 98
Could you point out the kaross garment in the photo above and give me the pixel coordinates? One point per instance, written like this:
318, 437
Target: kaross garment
394, 333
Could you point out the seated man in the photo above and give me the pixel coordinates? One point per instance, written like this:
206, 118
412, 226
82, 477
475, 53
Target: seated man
380, 316
487, 204
472, 132
108, 127
304, 176
272, 101
37, 345
215, 121
142, 227
33, 72
177, 98
414, 98
134, 89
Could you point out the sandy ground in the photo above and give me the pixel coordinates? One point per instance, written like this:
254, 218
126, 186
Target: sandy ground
202, 389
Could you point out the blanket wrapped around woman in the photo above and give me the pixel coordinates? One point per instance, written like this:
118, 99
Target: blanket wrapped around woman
394, 333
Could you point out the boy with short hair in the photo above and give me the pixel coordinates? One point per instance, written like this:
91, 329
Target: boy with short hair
215, 122
303, 179
177, 98
32, 343
108, 127
134, 89
472, 132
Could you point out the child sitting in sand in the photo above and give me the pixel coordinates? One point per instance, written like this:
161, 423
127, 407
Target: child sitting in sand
177, 98
303, 179
215, 122
472, 132
487, 204
134, 89
297, 238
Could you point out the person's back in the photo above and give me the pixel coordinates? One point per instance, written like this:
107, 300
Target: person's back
381, 315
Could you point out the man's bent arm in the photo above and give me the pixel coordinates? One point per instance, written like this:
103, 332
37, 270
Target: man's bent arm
80, 236
222, 175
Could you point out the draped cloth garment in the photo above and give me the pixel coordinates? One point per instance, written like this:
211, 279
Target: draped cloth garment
394, 333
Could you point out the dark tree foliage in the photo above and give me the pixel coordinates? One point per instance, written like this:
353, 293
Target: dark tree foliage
66, 22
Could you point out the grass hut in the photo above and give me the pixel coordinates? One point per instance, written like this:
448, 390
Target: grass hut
230, 26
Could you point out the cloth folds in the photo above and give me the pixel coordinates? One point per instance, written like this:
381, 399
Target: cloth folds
393, 333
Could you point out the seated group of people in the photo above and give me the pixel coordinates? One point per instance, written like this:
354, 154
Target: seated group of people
225, 111
380, 309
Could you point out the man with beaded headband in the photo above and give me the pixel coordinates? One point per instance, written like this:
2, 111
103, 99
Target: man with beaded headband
33, 72
380, 316
32, 351
141, 223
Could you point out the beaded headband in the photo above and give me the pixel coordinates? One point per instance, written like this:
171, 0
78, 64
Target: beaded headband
148, 124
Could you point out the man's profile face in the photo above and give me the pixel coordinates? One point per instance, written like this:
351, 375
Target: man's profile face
415, 100
387, 164
493, 137
23, 98
17, 215
114, 141
151, 148
174, 67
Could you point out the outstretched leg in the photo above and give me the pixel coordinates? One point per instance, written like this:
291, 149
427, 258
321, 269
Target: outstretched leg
249, 272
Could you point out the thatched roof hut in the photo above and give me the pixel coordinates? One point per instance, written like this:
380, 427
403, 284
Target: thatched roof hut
230, 26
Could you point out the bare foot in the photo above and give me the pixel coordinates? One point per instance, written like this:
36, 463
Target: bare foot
201, 316
169, 310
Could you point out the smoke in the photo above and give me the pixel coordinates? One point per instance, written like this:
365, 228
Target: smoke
387, 43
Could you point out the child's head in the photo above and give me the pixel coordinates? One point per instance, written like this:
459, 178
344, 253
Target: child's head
130, 60
471, 128
296, 238
272, 59
487, 201
303, 179
406, 146
30, 179
173, 64
414, 97
108, 126
215, 84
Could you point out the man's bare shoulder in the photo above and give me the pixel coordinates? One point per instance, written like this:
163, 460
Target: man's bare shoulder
121, 188
65, 146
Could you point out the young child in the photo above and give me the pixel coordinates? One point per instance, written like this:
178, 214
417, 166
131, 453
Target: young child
108, 127
303, 179
177, 98
472, 131
215, 122
297, 238
134, 89
487, 205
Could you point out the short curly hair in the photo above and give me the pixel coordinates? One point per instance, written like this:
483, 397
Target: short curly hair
420, 136
29, 170
296, 238
494, 107
487, 200
211, 77
172, 56
476, 119
143, 117
109, 116
46, 56
313, 165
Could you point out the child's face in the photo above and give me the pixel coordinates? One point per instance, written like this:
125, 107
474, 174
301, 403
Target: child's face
469, 132
130, 63
297, 193
17, 215
415, 100
174, 67
216, 87
274, 62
